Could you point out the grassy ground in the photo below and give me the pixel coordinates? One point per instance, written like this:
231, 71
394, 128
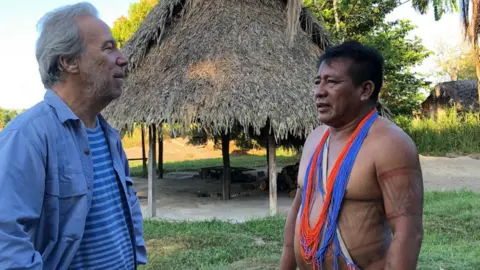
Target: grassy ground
451, 241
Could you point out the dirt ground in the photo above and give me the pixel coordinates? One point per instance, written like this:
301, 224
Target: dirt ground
179, 150
178, 194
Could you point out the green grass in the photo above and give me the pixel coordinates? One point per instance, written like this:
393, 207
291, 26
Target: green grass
450, 133
452, 231
451, 240
250, 161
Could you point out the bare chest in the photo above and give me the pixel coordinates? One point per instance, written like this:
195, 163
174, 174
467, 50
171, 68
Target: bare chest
362, 181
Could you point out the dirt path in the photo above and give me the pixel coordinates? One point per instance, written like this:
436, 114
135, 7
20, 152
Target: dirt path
451, 173
179, 150
177, 197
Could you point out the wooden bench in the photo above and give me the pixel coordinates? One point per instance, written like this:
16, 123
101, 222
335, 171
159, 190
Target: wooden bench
134, 159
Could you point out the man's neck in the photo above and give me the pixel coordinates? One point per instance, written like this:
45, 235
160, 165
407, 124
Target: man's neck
82, 105
346, 130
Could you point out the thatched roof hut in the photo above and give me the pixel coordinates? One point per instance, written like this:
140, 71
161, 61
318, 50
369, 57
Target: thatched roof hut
224, 64
461, 94
218, 62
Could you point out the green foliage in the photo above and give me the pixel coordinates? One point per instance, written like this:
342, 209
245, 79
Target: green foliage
440, 7
355, 17
6, 116
125, 27
244, 143
400, 92
198, 137
467, 69
365, 21
455, 61
469, 16
449, 133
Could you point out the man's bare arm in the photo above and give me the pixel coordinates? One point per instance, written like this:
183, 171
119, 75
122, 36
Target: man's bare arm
288, 255
401, 182
288, 261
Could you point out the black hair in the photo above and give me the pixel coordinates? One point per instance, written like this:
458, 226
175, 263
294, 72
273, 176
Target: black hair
367, 63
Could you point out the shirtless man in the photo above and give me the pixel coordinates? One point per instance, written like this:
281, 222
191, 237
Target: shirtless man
380, 219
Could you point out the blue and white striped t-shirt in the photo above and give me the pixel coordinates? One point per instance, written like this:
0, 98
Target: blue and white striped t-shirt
106, 243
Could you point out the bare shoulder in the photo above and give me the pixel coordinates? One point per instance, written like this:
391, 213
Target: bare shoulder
393, 147
311, 143
314, 137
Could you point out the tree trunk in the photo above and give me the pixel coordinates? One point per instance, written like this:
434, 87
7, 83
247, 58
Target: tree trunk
453, 76
472, 33
335, 12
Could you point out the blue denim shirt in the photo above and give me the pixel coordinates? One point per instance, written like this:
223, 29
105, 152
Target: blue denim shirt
46, 175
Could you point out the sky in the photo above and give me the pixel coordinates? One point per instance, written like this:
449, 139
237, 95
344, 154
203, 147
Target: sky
21, 86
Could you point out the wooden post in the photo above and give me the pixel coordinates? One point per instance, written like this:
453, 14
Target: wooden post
273, 174
268, 159
144, 156
226, 166
160, 151
152, 205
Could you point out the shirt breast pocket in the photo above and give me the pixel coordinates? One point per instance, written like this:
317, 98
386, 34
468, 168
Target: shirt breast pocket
67, 185
132, 194
66, 203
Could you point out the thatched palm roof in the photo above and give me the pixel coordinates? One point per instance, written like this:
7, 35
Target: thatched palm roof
220, 63
463, 94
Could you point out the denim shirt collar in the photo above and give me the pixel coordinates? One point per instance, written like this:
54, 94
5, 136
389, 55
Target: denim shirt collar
64, 113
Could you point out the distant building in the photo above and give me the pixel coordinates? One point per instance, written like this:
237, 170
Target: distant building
461, 94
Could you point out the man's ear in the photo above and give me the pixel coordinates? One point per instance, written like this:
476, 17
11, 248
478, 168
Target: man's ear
367, 89
69, 65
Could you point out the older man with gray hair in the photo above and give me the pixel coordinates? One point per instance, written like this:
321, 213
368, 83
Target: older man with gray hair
66, 198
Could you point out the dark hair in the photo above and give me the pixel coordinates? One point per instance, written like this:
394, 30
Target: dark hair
367, 63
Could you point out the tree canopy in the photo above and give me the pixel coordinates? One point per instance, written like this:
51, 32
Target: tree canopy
364, 20
6, 116
455, 63
125, 27
470, 18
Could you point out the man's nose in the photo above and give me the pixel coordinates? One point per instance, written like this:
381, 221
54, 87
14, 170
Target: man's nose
320, 91
122, 60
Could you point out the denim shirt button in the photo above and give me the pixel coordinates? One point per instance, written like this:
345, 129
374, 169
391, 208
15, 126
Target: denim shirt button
86, 151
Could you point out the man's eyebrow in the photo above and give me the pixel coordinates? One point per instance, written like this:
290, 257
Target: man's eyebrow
109, 41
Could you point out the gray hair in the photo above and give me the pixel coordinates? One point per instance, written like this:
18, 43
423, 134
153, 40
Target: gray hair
60, 36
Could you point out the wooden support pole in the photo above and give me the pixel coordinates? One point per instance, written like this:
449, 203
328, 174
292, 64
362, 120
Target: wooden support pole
152, 205
268, 159
160, 151
273, 174
144, 155
226, 166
